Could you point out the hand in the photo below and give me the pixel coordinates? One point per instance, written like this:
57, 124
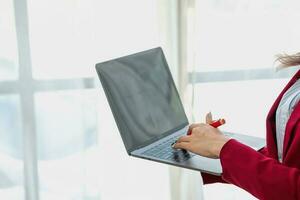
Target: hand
208, 119
205, 140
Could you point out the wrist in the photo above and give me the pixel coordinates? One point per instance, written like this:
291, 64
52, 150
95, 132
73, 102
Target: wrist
218, 147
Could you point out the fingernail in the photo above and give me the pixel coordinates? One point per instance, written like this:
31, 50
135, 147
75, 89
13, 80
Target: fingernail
173, 144
208, 114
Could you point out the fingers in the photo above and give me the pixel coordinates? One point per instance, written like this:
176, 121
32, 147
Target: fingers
182, 142
191, 127
184, 139
181, 145
208, 118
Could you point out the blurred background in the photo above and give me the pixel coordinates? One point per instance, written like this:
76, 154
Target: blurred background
58, 139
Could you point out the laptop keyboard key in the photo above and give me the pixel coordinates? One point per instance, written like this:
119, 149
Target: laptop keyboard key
166, 152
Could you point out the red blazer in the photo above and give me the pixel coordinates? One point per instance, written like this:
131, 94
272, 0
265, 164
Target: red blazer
260, 173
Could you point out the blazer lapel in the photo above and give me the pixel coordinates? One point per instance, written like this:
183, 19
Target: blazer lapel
271, 120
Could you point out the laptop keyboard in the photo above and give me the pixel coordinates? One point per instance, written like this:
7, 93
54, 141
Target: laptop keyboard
166, 152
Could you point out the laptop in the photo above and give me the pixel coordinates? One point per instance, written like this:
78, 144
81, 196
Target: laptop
148, 111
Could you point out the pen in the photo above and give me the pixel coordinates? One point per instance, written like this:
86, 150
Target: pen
217, 123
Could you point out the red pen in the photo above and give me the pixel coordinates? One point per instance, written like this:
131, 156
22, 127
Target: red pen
215, 124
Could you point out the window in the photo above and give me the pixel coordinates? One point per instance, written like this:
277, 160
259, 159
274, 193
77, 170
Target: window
231, 72
11, 148
233, 54
58, 136
244, 34
8, 49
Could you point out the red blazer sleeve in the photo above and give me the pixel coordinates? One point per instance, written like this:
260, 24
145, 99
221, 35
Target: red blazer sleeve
263, 177
208, 178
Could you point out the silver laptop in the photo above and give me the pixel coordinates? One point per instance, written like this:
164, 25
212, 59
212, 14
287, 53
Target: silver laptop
149, 113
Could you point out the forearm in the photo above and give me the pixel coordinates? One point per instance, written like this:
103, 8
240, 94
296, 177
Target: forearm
209, 178
261, 176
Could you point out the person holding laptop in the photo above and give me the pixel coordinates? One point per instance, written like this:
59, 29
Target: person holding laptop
149, 113
272, 173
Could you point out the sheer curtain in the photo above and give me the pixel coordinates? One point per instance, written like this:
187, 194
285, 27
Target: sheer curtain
58, 139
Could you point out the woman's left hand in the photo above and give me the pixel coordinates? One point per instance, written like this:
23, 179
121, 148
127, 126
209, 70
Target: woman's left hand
204, 140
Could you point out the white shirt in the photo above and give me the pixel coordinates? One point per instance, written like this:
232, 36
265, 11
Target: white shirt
285, 108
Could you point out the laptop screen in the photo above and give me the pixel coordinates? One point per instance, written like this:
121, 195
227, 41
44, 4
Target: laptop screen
142, 96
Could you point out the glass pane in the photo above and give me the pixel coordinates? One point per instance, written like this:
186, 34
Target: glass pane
245, 34
122, 176
67, 145
8, 41
11, 149
68, 37
243, 106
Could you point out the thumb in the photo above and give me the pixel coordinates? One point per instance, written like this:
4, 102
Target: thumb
208, 118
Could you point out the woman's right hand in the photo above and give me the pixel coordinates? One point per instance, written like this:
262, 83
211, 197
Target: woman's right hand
205, 140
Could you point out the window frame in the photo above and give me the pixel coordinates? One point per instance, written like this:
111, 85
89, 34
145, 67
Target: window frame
239, 75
